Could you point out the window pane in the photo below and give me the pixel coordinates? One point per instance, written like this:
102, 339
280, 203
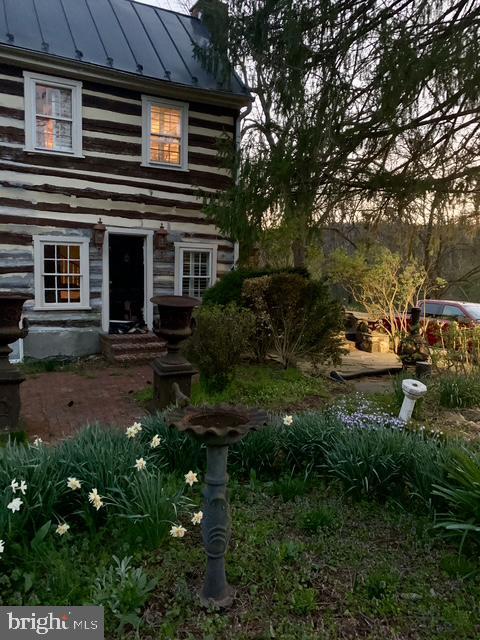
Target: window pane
49, 266
74, 252
165, 150
74, 295
53, 101
50, 297
53, 134
49, 251
166, 121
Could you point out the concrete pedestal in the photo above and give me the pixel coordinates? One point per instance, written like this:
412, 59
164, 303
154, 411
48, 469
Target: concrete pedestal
165, 375
10, 380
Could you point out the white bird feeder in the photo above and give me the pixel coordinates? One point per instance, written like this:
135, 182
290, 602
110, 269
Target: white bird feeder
413, 390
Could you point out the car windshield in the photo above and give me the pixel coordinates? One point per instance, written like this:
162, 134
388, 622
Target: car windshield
473, 310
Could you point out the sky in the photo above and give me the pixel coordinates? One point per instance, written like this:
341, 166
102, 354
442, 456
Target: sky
175, 5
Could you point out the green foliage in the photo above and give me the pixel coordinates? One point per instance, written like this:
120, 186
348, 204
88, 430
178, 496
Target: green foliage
382, 282
299, 315
229, 288
304, 601
459, 390
221, 337
458, 566
123, 591
321, 518
461, 492
267, 386
290, 487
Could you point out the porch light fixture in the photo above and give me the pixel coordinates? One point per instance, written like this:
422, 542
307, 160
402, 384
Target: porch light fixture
99, 233
161, 238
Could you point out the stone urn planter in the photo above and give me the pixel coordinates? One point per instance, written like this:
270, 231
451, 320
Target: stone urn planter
217, 427
11, 305
172, 371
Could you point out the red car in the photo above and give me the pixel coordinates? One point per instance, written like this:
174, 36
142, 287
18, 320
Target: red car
441, 312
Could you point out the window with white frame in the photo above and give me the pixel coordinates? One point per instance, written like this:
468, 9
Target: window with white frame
165, 132
195, 269
53, 114
61, 272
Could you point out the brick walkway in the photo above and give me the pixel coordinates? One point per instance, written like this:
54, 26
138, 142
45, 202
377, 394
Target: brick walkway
57, 404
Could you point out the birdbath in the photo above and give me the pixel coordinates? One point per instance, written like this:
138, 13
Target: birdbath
218, 427
10, 377
175, 314
413, 390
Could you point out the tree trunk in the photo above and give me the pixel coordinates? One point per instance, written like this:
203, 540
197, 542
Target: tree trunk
299, 251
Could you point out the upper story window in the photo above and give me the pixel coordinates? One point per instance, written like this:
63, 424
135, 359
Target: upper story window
61, 272
53, 114
165, 133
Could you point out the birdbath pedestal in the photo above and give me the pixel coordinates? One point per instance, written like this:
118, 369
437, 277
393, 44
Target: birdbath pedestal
217, 427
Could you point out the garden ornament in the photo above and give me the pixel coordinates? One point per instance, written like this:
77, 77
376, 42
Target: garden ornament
10, 377
172, 373
217, 427
413, 390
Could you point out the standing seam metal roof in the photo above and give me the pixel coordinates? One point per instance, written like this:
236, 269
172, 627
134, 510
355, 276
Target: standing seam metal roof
122, 35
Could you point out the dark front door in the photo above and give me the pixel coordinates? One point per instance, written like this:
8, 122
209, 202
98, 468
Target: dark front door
127, 280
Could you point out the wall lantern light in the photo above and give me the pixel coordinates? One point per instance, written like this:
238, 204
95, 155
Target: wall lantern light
161, 238
99, 230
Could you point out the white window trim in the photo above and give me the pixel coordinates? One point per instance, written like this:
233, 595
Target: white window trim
38, 242
147, 102
30, 80
180, 248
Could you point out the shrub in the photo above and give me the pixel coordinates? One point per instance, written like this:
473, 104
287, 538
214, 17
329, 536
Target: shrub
221, 336
459, 390
229, 289
298, 315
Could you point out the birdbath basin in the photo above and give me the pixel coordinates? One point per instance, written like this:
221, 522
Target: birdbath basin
217, 427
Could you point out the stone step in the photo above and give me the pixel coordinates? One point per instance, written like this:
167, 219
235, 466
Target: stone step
128, 347
132, 348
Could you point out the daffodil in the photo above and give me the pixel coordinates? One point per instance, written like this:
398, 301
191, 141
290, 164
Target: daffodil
73, 484
23, 487
95, 499
155, 441
197, 517
177, 531
288, 421
191, 478
37, 441
14, 485
140, 464
15, 505
2, 546
62, 529
131, 432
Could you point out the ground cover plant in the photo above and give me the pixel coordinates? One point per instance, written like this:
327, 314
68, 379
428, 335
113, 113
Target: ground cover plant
331, 516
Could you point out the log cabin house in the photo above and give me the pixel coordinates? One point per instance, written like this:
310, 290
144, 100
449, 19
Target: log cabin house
109, 134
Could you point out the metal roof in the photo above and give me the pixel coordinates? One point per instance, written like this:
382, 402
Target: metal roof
121, 35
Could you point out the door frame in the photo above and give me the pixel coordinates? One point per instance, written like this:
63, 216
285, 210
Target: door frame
147, 278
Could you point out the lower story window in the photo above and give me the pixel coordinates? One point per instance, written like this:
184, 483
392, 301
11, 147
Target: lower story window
195, 270
61, 272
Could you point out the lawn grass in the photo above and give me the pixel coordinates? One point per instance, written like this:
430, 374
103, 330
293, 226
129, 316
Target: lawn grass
266, 386
365, 571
